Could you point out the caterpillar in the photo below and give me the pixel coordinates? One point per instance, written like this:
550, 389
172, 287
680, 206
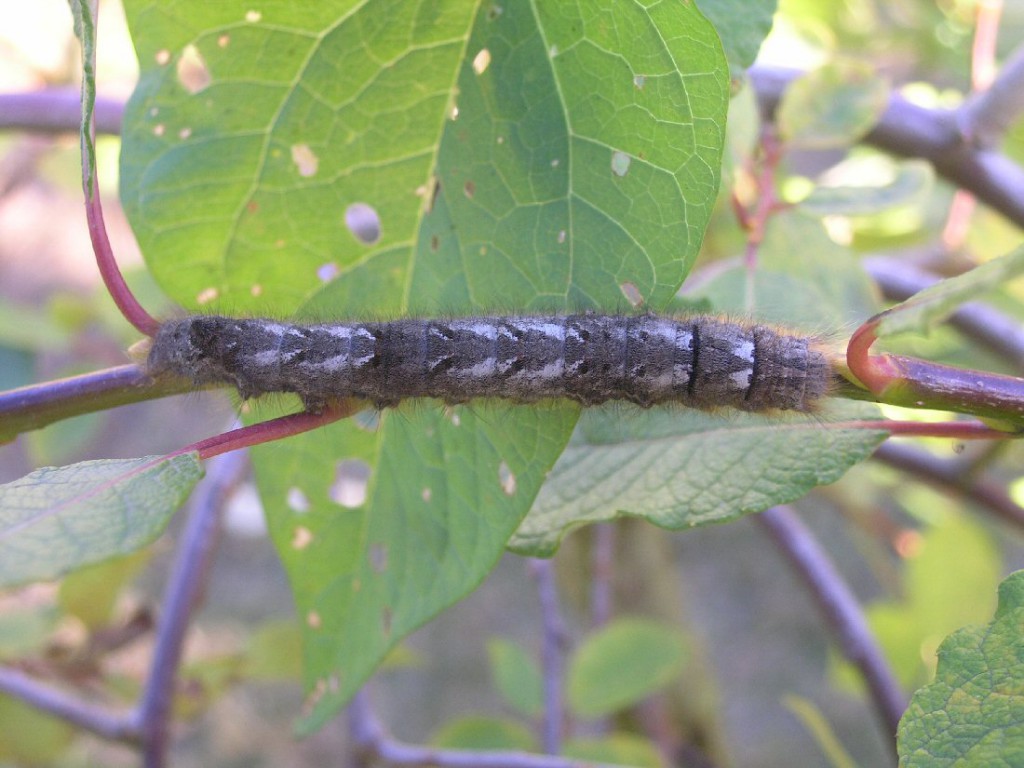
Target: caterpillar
698, 361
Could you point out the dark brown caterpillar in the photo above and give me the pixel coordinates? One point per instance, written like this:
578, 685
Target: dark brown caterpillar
699, 361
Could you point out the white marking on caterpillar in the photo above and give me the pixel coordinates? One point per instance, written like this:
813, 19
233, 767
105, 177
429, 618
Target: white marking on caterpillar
699, 361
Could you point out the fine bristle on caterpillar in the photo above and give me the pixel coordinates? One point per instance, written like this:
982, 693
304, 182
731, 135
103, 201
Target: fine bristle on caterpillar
698, 361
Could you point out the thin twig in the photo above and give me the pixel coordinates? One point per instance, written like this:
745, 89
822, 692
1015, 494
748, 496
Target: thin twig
842, 611
57, 110
37, 405
184, 591
949, 475
986, 116
87, 715
556, 637
909, 130
373, 742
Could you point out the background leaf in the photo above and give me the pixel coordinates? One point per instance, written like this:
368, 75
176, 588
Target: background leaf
516, 677
57, 519
572, 165
832, 106
930, 306
742, 25
622, 664
973, 714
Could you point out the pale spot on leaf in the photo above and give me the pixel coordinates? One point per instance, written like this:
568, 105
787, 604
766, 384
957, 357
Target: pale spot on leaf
224, 40
427, 495
470, 189
193, 73
561, 236
313, 620
253, 16
305, 160
632, 294
507, 479
256, 290
620, 163
481, 61
302, 538
163, 56
159, 129
379, 557
639, 81
207, 295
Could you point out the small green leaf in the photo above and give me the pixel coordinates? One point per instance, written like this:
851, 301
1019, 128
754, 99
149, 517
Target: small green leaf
516, 677
910, 182
625, 749
274, 652
90, 593
29, 737
742, 25
484, 733
57, 519
682, 469
622, 664
932, 305
833, 106
972, 715
814, 721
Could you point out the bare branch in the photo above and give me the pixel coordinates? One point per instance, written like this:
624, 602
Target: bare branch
909, 130
89, 716
986, 116
373, 742
950, 476
842, 611
57, 110
37, 405
556, 637
184, 592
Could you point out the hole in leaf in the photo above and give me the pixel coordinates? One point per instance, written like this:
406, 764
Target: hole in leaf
327, 272
363, 222
296, 500
350, 483
379, 557
639, 81
193, 73
302, 538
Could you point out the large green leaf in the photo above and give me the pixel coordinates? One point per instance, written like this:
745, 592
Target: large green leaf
57, 519
517, 157
972, 715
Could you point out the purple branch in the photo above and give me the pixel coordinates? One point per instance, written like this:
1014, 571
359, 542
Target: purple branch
37, 405
950, 476
908, 130
986, 116
373, 743
184, 592
842, 611
986, 325
556, 637
57, 110
86, 715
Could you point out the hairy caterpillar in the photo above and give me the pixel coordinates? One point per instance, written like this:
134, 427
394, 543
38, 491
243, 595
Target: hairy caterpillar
698, 361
